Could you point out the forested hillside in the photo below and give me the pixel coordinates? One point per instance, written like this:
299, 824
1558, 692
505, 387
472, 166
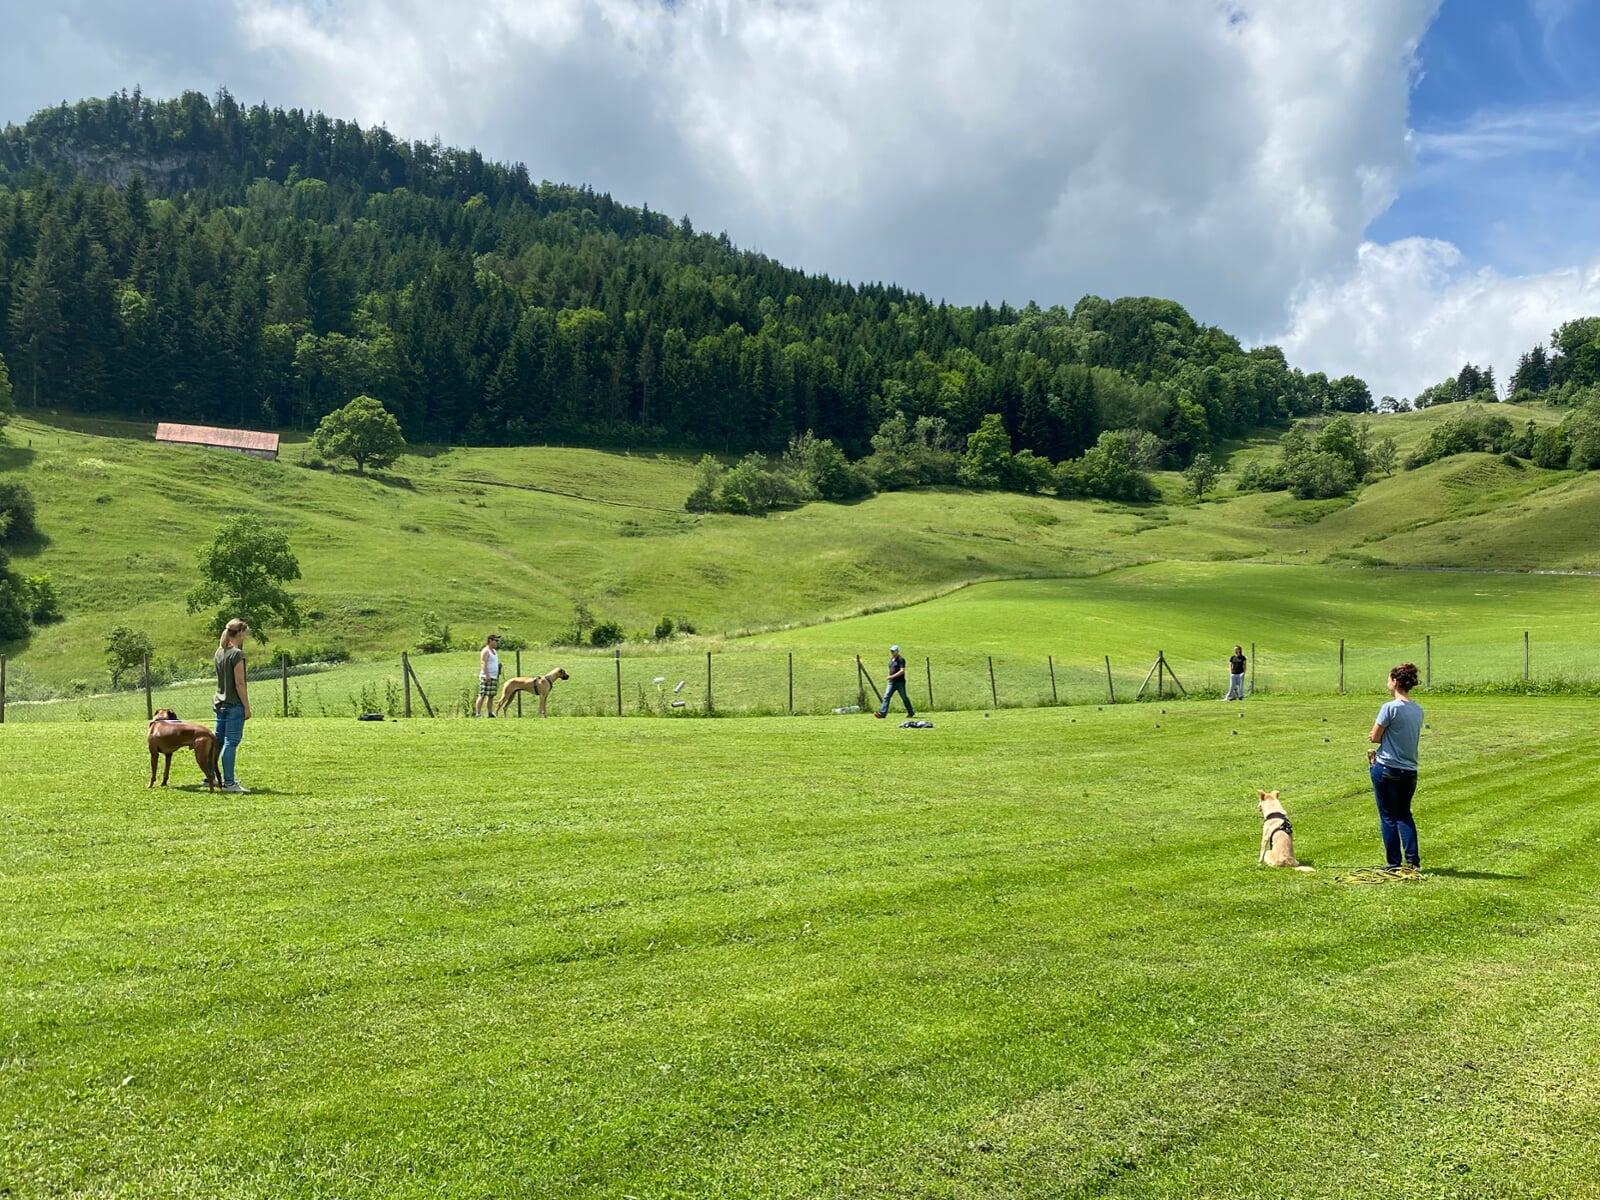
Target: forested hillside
195, 259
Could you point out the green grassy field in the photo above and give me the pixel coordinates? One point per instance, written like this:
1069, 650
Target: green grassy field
1294, 616
511, 538
1027, 955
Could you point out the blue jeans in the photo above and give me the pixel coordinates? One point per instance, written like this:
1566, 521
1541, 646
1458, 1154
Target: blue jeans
230, 732
1394, 790
897, 685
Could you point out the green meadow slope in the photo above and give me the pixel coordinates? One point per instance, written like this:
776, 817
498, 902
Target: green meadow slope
511, 538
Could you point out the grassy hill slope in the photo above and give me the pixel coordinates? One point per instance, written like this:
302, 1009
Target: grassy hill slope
510, 538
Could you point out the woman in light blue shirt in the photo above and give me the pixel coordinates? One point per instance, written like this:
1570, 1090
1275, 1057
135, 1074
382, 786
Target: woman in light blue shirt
1393, 766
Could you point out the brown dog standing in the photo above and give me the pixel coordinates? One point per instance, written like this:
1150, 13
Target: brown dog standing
168, 735
539, 685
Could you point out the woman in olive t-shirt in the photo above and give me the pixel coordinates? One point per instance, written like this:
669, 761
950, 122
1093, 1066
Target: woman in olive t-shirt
232, 703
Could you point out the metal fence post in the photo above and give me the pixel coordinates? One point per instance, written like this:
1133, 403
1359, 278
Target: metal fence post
1111, 688
1427, 658
861, 687
149, 703
519, 676
1055, 697
708, 681
1341, 666
1252, 668
1527, 657
791, 682
285, 659
993, 695
405, 677
2, 689
927, 663
618, 653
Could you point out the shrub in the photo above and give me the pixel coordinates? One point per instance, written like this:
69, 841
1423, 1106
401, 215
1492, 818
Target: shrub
1466, 433
1321, 475
1107, 470
1263, 477
663, 629
435, 637
1550, 448
16, 512
1027, 472
606, 633
13, 609
126, 649
911, 454
44, 606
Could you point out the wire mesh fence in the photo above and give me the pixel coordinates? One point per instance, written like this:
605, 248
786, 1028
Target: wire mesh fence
763, 680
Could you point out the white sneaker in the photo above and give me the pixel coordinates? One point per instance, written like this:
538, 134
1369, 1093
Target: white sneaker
237, 788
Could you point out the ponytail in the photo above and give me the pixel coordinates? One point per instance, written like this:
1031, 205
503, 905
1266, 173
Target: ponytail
231, 632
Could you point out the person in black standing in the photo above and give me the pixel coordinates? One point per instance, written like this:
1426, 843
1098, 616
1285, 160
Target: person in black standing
897, 683
1236, 666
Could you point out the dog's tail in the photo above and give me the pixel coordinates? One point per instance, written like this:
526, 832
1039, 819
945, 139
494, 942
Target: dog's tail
1303, 867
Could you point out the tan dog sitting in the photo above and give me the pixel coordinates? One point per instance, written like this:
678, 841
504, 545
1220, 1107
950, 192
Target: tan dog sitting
539, 685
169, 735
1277, 835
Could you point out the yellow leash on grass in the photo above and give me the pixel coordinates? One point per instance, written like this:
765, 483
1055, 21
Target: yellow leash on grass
1374, 875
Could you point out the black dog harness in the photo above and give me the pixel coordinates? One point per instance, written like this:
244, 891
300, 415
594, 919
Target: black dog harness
1284, 828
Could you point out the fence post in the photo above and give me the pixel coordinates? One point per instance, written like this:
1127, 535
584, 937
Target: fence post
2, 689
993, 695
411, 677
1527, 656
927, 663
519, 676
405, 678
1252, 668
791, 683
708, 681
149, 704
1341, 666
1427, 658
1054, 697
285, 657
1161, 674
618, 653
861, 687
1111, 688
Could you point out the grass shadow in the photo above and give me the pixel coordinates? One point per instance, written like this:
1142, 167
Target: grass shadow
1455, 873
14, 457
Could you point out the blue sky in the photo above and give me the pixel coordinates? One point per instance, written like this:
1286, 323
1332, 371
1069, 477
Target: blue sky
1383, 187
1506, 113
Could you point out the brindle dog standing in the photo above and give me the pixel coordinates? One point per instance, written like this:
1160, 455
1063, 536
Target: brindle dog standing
168, 735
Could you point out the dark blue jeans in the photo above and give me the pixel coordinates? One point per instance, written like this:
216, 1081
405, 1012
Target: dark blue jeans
897, 685
1394, 790
230, 732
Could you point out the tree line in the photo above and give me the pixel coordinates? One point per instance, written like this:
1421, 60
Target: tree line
194, 259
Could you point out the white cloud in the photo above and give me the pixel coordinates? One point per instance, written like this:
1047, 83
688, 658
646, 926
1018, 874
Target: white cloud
1410, 313
1218, 153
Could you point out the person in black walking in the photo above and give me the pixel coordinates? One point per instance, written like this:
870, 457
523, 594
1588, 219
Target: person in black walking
897, 683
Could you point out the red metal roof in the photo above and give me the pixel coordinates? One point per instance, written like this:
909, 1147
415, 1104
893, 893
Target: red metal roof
207, 435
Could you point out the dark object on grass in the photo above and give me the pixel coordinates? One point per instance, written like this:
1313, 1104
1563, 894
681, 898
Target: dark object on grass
370, 717
916, 724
